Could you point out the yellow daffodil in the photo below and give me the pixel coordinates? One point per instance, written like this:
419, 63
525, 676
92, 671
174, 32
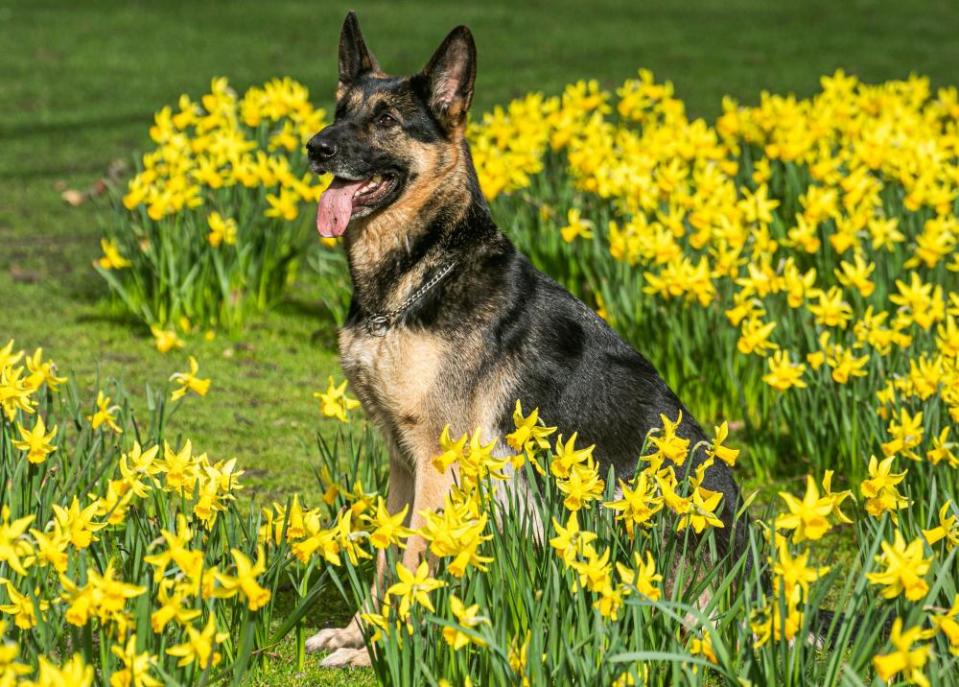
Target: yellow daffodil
466, 617
136, 667
807, 518
880, 489
334, 402
639, 503
36, 442
112, 260
716, 449
906, 658
388, 530
165, 340
222, 230
904, 569
570, 542
642, 575
105, 415
666, 443
188, 381
200, 646
245, 580
947, 530
414, 588
576, 227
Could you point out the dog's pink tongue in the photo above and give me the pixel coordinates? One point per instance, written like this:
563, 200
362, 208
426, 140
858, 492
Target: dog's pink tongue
336, 206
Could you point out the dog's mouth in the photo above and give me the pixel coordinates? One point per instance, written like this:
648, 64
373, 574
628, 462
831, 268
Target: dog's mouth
346, 199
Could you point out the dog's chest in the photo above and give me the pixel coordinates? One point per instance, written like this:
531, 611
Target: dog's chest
397, 377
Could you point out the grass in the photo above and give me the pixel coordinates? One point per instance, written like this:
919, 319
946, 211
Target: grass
79, 84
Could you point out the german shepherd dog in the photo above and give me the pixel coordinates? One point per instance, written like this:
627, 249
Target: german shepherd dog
449, 324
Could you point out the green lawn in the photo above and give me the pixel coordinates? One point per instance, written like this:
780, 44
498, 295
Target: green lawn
79, 83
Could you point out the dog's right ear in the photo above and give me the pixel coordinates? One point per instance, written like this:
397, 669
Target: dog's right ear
355, 58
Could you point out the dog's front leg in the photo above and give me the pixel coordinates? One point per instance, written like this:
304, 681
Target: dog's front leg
430, 488
346, 643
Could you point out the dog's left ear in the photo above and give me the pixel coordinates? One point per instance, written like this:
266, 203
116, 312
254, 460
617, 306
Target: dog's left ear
449, 76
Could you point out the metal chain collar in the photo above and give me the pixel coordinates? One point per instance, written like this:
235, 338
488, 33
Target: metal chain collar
377, 324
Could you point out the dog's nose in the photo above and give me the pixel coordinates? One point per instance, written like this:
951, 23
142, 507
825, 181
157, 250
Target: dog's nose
321, 147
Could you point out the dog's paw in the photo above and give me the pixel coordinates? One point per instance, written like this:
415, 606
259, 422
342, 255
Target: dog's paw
348, 637
343, 658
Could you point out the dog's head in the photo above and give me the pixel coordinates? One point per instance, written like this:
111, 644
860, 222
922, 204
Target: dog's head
392, 137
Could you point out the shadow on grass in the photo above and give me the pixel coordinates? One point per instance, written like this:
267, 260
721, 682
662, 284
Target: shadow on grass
105, 313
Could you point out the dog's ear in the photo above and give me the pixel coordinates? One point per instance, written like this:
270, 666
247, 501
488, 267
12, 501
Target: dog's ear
355, 58
450, 75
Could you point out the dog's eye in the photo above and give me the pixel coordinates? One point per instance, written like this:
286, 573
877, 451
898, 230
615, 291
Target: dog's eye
386, 120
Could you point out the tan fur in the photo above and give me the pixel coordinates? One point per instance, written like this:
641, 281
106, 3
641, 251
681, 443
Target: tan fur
438, 171
394, 377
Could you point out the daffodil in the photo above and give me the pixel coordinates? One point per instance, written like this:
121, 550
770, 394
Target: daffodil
414, 588
576, 227
188, 381
594, 569
793, 574
170, 600
284, 206
245, 581
880, 488
639, 503
78, 522
222, 230
52, 547
702, 511
906, 658
387, 529
666, 443
529, 435
104, 596
948, 528
42, 371
582, 486
903, 569
166, 340
74, 672
136, 666
200, 646
783, 373
567, 456
642, 575
718, 450
807, 518
105, 415
452, 450
112, 260
570, 542
703, 647
38, 443
467, 617
948, 624
334, 402
22, 608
